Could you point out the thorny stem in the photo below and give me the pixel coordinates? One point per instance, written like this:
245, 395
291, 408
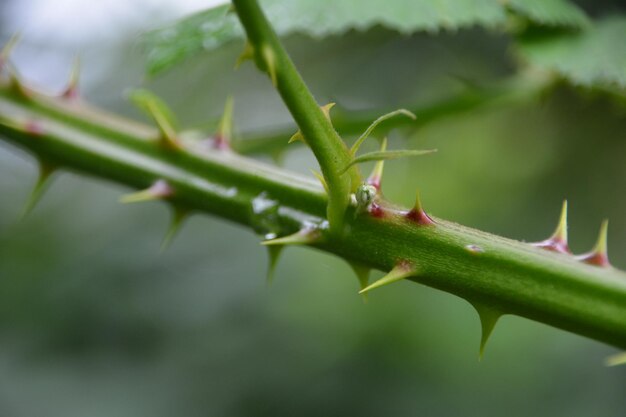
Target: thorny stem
507, 276
497, 275
319, 133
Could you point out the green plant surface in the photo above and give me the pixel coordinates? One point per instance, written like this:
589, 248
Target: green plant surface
210, 29
595, 56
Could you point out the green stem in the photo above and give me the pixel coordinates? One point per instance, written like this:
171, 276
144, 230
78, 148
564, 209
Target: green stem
330, 151
507, 276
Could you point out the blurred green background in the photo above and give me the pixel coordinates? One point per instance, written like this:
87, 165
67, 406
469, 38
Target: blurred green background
94, 321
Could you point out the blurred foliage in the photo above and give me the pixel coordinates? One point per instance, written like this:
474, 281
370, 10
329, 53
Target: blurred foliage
211, 29
595, 56
94, 321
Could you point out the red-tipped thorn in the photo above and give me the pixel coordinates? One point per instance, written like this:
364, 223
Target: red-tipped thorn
376, 211
598, 255
157, 191
71, 91
417, 213
558, 241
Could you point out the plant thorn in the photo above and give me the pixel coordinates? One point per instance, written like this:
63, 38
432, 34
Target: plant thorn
615, 360
558, 241
417, 213
43, 179
273, 254
402, 270
321, 179
296, 137
363, 276
17, 86
156, 108
246, 54
305, 236
179, 215
326, 109
71, 91
488, 319
225, 130
376, 176
599, 254
270, 63
5, 53
157, 191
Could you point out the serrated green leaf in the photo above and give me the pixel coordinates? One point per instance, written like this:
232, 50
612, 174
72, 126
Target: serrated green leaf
593, 57
201, 31
386, 155
215, 27
550, 12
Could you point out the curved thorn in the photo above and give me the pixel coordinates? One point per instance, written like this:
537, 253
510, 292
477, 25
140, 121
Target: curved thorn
615, 360
16, 84
558, 241
401, 271
157, 191
488, 319
273, 253
417, 213
326, 109
179, 215
376, 176
375, 123
296, 137
246, 54
8, 48
168, 134
599, 254
270, 63
321, 179
45, 173
71, 91
156, 109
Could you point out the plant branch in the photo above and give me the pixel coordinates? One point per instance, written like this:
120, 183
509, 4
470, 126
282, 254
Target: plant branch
497, 274
319, 133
